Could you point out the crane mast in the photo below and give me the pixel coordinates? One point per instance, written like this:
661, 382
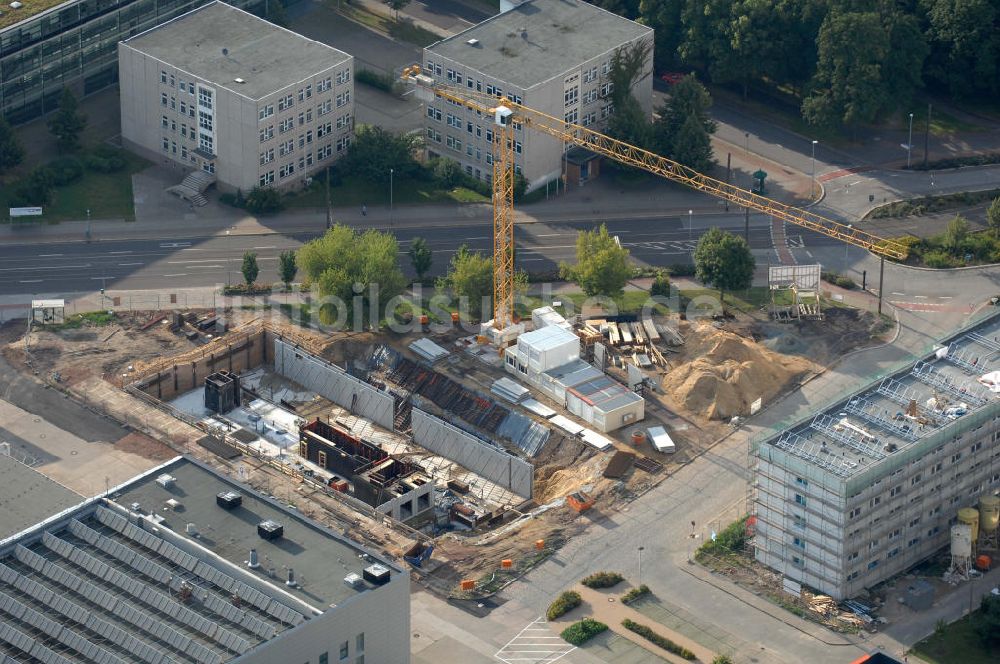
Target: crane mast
506, 114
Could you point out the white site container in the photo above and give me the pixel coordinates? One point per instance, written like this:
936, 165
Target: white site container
548, 348
661, 440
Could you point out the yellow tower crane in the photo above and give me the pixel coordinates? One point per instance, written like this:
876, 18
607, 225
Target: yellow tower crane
507, 114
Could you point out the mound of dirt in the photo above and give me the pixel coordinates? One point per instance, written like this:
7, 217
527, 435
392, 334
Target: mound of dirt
724, 373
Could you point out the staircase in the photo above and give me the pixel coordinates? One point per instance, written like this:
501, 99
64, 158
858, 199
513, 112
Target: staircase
192, 186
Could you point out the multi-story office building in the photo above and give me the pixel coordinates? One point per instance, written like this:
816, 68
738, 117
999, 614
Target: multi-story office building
551, 55
870, 486
46, 46
182, 565
223, 91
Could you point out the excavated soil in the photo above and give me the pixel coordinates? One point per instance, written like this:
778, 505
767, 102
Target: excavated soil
722, 373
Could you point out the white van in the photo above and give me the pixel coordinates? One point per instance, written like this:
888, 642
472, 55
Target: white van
661, 440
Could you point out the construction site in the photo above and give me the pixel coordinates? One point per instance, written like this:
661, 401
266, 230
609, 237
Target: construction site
431, 447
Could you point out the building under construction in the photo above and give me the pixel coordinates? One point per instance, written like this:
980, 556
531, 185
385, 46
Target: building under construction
392, 486
873, 484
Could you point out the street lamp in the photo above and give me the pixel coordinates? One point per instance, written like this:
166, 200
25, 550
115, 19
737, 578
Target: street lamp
909, 142
641, 549
746, 142
812, 172
390, 197
229, 266
690, 223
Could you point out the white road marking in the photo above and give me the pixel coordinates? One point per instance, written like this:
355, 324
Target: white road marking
897, 293
265, 247
174, 245
945, 297
182, 274
29, 281
204, 266
43, 267
128, 264
533, 648
809, 253
204, 260
920, 297
113, 253
48, 255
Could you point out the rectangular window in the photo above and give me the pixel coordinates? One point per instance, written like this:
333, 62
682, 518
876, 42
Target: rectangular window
205, 98
343, 121
184, 152
286, 148
434, 113
434, 135
800, 499
572, 116
181, 85
267, 134
324, 129
286, 125
344, 650
324, 152
163, 99
324, 108
590, 97
173, 103
324, 658
589, 119
571, 96
343, 98
606, 89
191, 111
173, 147
166, 144
165, 121
205, 121
266, 157
343, 143
205, 142
324, 85
799, 542
265, 112
173, 125
285, 103
163, 76
190, 88
171, 84
184, 109
342, 77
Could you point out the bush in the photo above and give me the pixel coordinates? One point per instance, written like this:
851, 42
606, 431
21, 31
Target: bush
722, 659
565, 603
447, 173
635, 593
65, 170
580, 632
939, 259
662, 641
242, 289
681, 270
35, 189
384, 82
661, 285
732, 538
264, 200
603, 580
846, 282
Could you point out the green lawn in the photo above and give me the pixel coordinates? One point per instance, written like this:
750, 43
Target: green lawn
402, 30
358, 192
956, 644
106, 195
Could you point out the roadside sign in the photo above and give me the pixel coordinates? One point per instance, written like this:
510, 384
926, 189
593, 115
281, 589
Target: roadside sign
25, 212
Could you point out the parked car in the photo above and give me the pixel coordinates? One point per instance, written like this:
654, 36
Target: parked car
671, 77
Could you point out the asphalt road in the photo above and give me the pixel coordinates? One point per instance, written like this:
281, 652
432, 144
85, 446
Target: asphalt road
206, 261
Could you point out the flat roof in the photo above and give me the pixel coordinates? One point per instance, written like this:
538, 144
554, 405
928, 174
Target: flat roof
604, 393
116, 582
220, 43
29, 9
538, 40
547, 338
898, 412
27, 496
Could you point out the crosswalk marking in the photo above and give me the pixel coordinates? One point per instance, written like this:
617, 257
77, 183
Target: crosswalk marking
535, 644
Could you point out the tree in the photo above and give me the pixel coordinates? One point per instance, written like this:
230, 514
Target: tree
447, 172
345, 265
722, 659
264, 200
67, 122
35, 189
470, 276
661, 285
287, 269
993, 217
276, 13
629, 122
956, 233
602, 266
421, 256
724, 261
664, 16
683, 129
375, 151
986, 622
849, 86
11, 151
396, 5
250, 268
965, 45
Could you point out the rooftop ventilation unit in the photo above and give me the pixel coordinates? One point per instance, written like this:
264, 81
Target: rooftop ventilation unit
238, 80
354, 580
228, 500
270, 530
472, 42
376, 574
254, 562
191, 529
166, 480
173, 504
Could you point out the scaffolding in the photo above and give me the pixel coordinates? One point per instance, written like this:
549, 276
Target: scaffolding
967, 391
849, 435
869, 412
802, 283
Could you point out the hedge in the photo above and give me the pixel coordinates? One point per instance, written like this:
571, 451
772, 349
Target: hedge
635, 594
662, 641
603, 580
580, 632
565, 603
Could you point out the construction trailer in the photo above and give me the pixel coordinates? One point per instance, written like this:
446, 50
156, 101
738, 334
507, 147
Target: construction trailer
392, 486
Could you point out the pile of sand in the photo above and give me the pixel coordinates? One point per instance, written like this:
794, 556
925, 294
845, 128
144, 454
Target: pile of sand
725, 373
563, 482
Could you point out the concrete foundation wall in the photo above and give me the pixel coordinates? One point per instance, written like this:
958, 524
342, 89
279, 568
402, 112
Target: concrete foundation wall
236, 354
333, 383
477, 455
